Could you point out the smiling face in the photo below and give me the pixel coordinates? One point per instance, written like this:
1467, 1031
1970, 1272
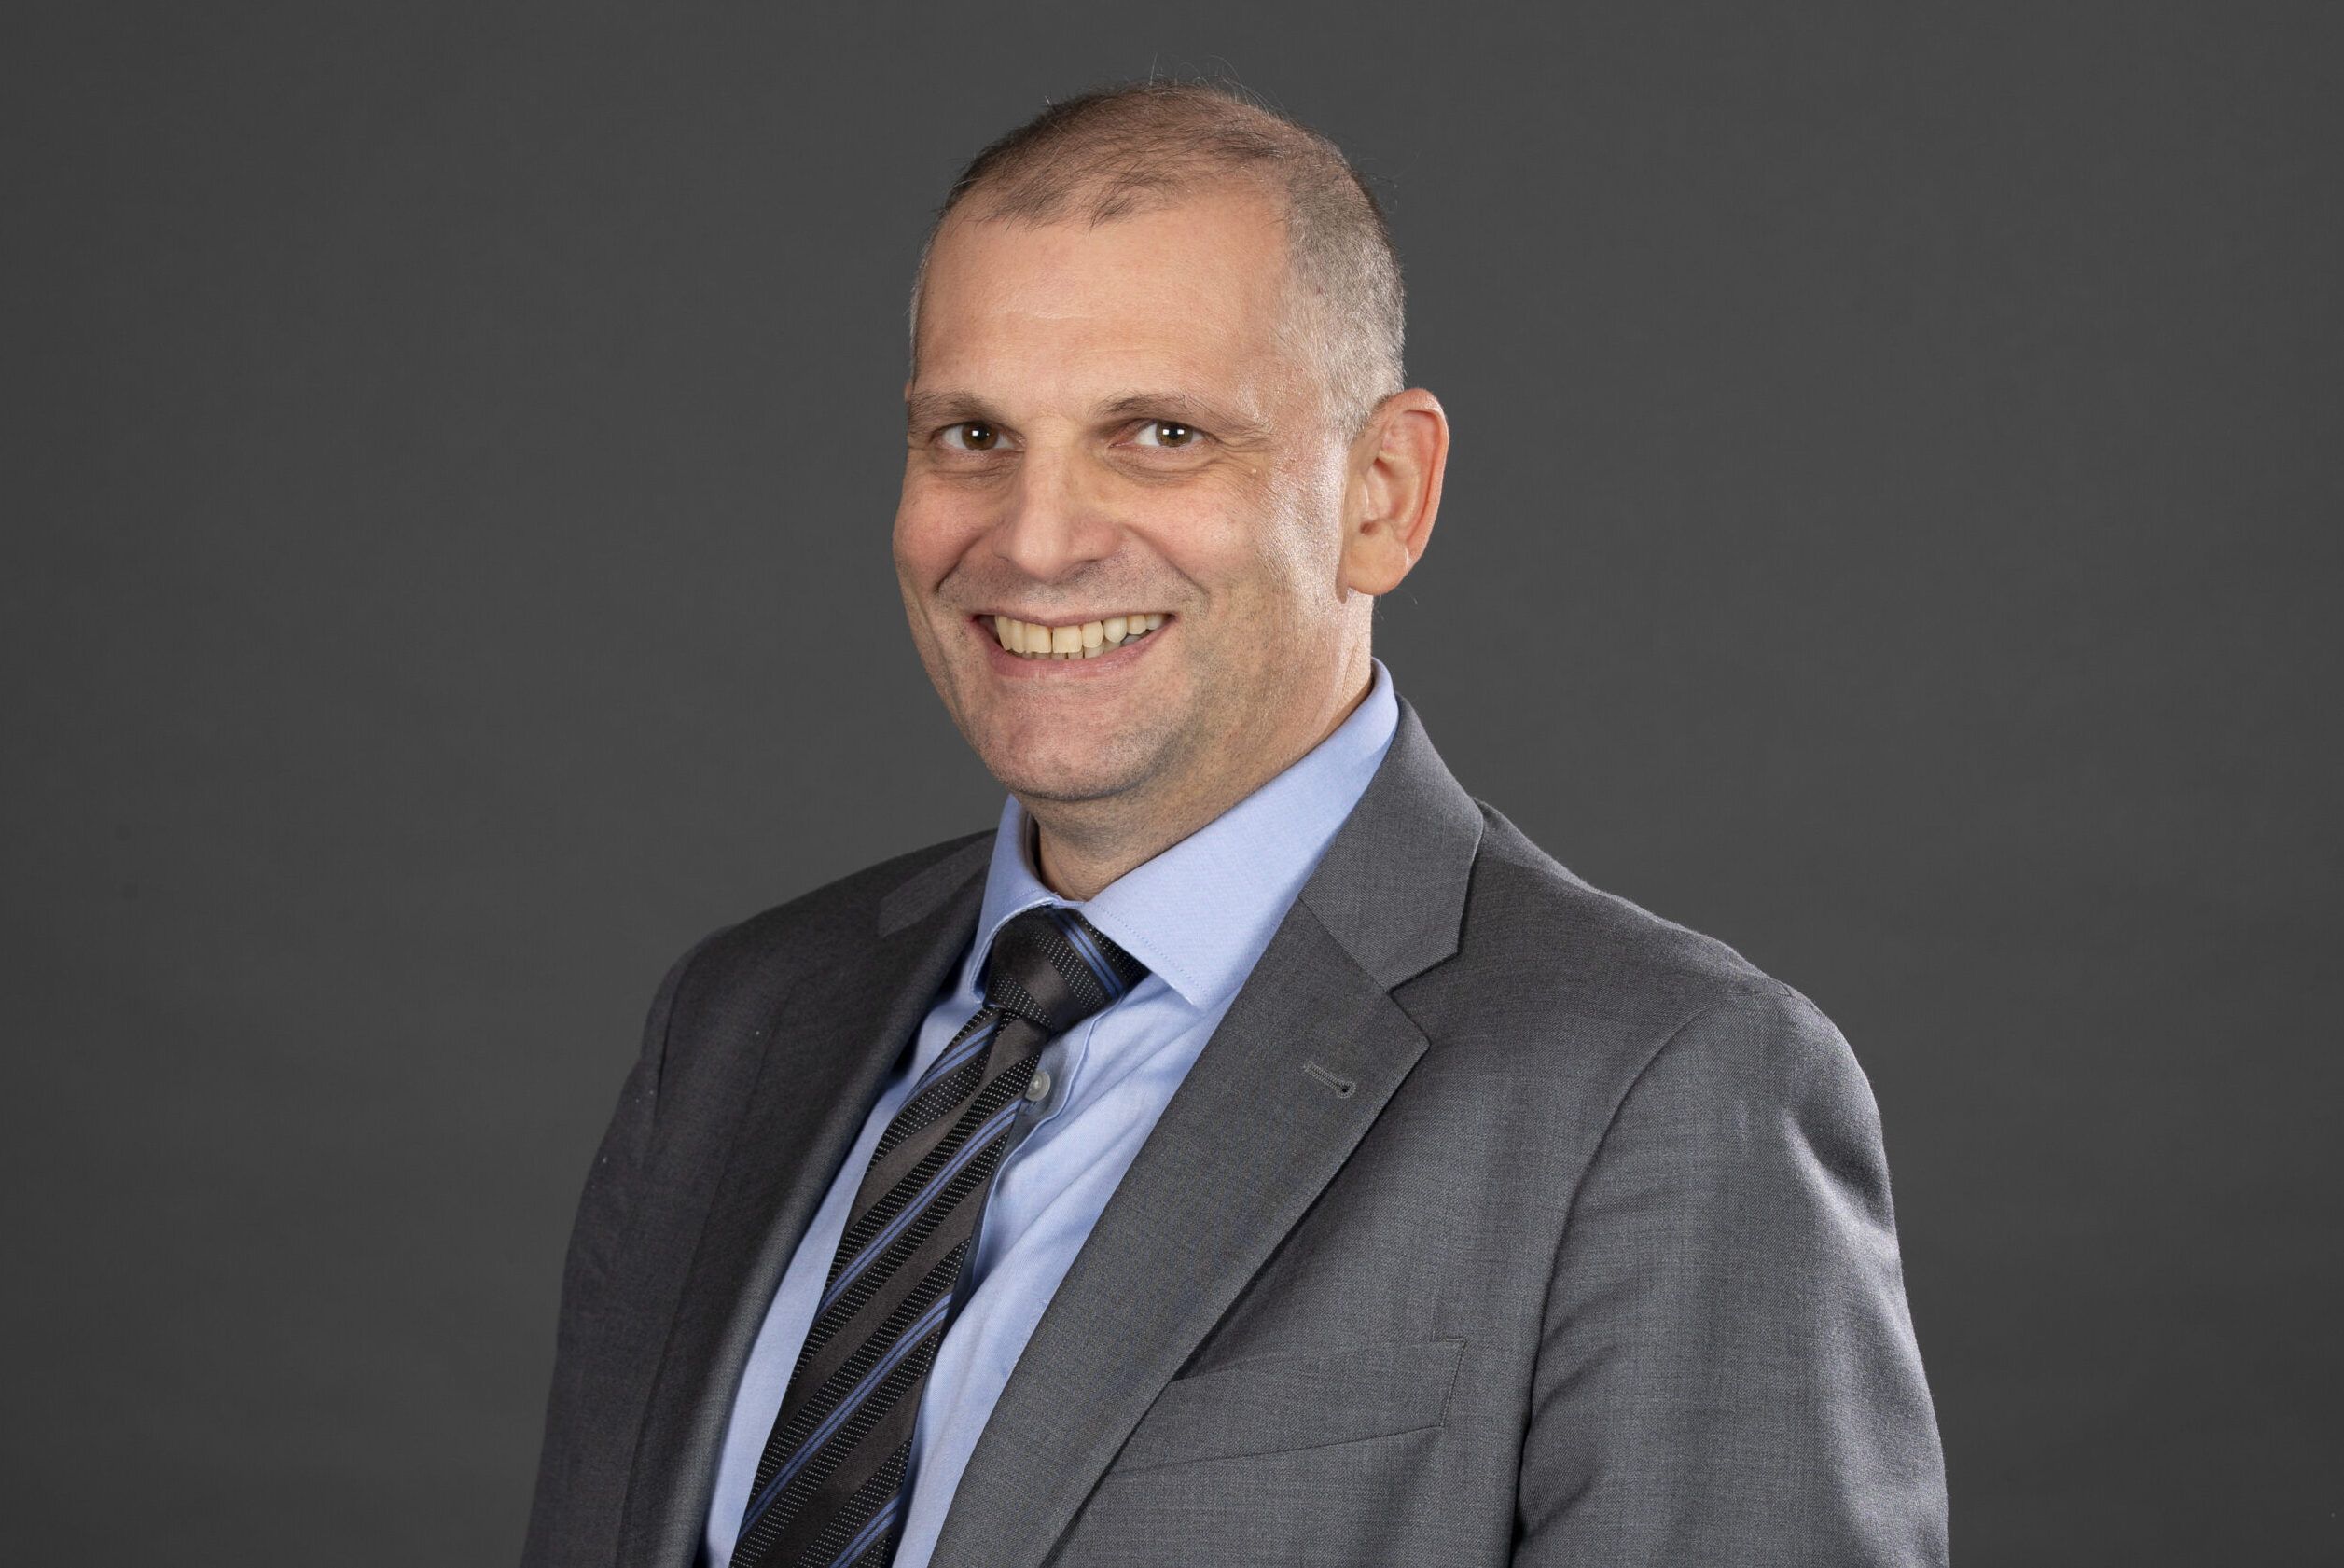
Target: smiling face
1114, 421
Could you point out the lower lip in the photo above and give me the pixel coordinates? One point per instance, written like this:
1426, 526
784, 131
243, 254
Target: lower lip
1018, 667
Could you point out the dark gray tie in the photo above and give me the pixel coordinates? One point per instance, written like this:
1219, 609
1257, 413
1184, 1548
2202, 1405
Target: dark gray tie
830, 1489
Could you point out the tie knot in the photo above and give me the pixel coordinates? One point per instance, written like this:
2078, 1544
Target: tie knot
1053, 968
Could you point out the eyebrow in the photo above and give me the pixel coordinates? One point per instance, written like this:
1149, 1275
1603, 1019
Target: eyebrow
949, 405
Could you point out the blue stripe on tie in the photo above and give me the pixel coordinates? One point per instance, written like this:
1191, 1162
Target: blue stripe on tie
952, 1059
871, 1532
1089, 954
822, 1434
1069, 927
877, 1244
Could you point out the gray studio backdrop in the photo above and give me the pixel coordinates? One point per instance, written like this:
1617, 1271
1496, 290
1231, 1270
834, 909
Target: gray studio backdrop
451, 451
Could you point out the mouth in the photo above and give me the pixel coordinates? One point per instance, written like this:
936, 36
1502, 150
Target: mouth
1030, 642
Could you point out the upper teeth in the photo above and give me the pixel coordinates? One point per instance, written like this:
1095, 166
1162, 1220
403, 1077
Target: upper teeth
1084, 640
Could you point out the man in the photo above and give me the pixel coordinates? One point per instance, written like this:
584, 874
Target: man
1253, 1150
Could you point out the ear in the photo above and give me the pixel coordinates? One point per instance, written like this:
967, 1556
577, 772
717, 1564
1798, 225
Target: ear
1395, 490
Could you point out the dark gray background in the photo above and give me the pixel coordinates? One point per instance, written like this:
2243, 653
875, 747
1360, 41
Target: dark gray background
451, 451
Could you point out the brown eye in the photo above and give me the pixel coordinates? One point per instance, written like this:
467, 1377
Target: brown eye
1167, 433
976, 436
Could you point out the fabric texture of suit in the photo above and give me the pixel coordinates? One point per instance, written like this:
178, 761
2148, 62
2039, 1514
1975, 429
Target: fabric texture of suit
1501, 1222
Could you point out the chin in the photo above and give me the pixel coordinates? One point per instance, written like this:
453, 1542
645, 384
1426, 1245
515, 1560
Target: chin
1074, 781
1058, 767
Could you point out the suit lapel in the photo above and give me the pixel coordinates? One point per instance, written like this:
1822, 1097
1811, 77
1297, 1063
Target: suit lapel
822, 1041
1259, 1126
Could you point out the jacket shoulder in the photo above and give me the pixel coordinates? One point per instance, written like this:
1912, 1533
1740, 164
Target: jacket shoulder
1562, 997
1538, 932
826, 922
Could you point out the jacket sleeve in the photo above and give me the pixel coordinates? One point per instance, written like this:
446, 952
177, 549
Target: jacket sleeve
1726, 1371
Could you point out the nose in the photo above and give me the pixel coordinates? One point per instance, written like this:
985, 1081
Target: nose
1056, 522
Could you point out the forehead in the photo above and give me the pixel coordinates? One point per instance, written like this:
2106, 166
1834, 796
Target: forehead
1197, 290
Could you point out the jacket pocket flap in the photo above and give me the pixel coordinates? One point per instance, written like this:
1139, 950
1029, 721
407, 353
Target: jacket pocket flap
1296, 1402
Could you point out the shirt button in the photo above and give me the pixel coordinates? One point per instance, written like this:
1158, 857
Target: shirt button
1039, 1089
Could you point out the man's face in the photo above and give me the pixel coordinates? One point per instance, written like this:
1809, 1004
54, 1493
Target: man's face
1111, 422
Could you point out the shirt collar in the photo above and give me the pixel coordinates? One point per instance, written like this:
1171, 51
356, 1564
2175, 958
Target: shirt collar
1200, 914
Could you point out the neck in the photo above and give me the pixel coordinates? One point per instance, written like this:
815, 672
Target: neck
1082, 846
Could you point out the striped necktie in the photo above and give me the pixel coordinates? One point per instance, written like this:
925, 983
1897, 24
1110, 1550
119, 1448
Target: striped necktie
830, 1489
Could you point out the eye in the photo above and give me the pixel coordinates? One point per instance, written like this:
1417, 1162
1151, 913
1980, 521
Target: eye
972, 435
1168, 433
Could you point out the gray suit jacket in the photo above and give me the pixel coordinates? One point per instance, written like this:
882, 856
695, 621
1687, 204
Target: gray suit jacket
1501, 1221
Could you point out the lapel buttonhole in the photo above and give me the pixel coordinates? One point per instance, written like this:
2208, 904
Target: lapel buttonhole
1342, 1086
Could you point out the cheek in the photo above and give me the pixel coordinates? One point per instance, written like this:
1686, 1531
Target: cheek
929, 538
1237, 539
1297, 542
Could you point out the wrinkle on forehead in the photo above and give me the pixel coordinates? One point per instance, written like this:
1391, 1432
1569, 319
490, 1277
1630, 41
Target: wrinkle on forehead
1199, 289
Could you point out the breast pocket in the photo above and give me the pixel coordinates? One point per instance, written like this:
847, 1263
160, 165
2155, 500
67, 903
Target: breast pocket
1278, 1404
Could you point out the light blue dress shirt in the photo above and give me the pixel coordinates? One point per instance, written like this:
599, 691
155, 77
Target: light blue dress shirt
1199, 916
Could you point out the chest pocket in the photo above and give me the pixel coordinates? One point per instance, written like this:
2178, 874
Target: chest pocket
1285, 1402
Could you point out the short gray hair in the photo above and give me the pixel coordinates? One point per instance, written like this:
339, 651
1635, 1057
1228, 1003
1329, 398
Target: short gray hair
1141, 145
